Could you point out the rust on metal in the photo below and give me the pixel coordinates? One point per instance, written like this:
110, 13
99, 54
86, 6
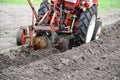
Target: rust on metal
39, 42
31, 36
46, 14
33, 9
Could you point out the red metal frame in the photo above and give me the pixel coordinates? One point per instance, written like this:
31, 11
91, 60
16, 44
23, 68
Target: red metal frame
56, 14
23, 38
95, 2
55, 19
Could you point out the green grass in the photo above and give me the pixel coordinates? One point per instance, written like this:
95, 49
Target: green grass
109, 3
18, 1
102, 3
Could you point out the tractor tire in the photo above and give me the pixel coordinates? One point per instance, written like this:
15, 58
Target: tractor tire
97, 30
86, 26
44, 7
21, 37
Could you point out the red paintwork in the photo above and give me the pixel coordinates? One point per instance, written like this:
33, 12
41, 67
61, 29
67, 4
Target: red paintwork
95, 2
55, 18
73, 5
23, 38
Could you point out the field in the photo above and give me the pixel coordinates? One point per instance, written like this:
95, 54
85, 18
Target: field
102, 3
109, 3
97, 60
18, 1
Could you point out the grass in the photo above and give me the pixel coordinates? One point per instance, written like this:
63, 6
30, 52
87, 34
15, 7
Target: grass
109, 3
18, 1
102, 3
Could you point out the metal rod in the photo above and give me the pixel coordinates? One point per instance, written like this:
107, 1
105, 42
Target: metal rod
33, 9
73, 22
32, 19
43, 18
31, 36
61, 17
53, 18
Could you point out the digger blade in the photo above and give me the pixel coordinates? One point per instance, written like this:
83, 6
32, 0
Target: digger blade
62, 44
39, 42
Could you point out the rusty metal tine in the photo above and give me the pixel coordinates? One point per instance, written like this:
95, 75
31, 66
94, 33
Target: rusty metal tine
31, 36
43, 18
32, 19
33, 9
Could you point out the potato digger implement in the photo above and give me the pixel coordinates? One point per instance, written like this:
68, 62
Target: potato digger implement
63, 24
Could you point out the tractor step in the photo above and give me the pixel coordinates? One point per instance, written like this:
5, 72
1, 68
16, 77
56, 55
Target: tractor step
46, 28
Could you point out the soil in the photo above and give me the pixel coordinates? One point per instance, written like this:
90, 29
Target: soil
97, 60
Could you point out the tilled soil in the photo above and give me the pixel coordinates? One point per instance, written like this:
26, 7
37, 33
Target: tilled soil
11, 18
97, 60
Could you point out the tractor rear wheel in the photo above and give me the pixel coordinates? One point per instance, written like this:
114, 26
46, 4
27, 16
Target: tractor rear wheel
86, 25
44, 7
21, 37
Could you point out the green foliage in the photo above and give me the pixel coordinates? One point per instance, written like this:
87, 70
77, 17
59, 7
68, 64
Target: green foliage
18, 1
109, 3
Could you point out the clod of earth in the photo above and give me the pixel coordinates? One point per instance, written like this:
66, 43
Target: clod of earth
97, 60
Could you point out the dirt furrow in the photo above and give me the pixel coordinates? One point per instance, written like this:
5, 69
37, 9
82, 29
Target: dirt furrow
97, 60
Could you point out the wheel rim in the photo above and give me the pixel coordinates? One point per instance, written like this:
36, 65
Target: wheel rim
98, 33
91, 29
23, 38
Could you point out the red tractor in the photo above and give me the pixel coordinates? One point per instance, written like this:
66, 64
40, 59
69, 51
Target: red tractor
62, 23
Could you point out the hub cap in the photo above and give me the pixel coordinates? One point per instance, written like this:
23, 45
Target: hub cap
91, 29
